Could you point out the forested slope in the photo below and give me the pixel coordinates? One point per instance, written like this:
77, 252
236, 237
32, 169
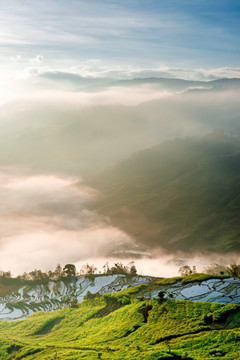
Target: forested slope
181, 195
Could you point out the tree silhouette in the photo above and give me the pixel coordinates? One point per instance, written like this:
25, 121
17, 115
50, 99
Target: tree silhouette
69, 270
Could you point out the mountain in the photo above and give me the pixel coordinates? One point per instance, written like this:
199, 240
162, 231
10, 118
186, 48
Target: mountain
183, 85
76, 82
119, 326
182, 195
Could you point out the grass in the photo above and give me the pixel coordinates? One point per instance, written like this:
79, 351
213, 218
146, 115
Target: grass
48, 325
198, 277
119, 326
169, 281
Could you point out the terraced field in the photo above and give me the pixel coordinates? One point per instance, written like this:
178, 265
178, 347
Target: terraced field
58, 295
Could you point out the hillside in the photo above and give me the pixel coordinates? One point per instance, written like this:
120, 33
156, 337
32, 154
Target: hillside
18, 302
181, 195
118, 327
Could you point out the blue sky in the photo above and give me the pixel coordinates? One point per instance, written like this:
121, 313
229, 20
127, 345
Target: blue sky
186, 34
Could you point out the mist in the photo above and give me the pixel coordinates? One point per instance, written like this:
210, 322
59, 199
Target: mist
60, 132
44, 222
81, 132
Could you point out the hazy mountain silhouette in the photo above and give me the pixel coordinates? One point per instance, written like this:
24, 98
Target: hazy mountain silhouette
181, 195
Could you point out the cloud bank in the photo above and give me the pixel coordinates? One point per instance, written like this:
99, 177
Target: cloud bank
43, 221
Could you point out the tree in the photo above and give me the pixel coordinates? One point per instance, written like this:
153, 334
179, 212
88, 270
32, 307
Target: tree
161, 296
6, 274
194, 269
38, 275
185, 270
74, 303
88, 269
234, 270
25, 276
91, 269
69, 270
132, 268
118, 268
58, 272
216, 269
106, 269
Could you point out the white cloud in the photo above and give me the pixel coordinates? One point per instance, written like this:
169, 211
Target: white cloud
16, 58
43, 221
97, 69
38, 59
112, 95
219, 73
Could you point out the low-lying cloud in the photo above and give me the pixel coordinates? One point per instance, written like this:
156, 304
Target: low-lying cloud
44, 222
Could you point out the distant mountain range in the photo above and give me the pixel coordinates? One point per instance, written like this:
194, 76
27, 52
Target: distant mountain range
181, 84
78, 82
183, 195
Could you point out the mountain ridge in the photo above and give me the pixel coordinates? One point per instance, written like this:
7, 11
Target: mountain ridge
182, 193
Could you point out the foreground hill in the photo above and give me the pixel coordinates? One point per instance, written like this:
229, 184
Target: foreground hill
181, 195
118, 327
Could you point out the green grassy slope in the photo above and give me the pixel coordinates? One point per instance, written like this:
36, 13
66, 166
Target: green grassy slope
182, 194
118, 327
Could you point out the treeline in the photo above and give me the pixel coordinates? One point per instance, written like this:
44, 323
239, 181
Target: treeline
232, 270
70, 271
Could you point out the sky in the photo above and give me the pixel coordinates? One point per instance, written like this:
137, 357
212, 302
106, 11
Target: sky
62, 109
90, 36
116, 39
